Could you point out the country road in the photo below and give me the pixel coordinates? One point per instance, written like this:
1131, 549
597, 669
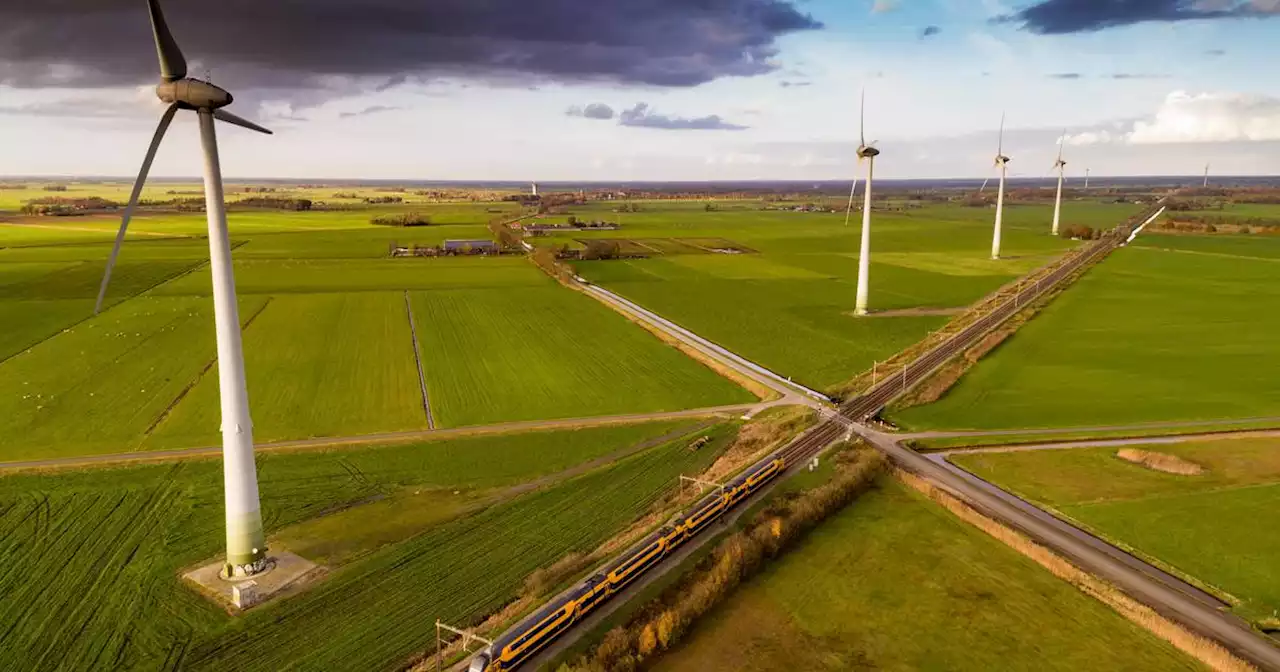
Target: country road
1137, 427
388, 437
790, 390
1104, 443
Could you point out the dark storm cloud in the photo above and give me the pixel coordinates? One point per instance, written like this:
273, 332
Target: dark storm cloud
304, 45
1055, 17
642, 117
591, 111
929, 31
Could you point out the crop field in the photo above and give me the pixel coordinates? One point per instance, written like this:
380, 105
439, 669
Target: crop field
1215, 527
103, 384
89, 560
895, 582
1168, 330
317, 365
327, 341
800, 284
540, 352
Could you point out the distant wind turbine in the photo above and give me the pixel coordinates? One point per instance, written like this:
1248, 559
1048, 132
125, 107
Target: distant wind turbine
868, 152
1061, 167
1002, 162
1086, 178
246, 544
1206, 176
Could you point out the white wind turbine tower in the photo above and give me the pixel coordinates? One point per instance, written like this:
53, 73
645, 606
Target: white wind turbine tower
1206, 176
1061, 167
1086, 178
246, 544
1002, 162
868, 152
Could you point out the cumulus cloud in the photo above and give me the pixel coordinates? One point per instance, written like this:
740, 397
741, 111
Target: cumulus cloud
641, 116
929, 31
1197, 118
1054, 17
282, 44
591, 111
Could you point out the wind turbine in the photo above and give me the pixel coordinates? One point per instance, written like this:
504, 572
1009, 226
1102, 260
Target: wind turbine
246, 544
868, 152
1061, 167
1002, 162
1086, 178
1206, 176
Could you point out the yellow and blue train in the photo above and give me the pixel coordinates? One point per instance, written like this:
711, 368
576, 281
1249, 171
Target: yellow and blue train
551, 621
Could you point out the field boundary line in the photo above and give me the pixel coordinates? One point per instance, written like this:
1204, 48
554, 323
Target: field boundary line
198, 377
1115, 442
417, 358
329, 443
90, 316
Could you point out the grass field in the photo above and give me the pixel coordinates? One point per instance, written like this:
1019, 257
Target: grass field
1215, 527
540, 352
328, 348
1161, 331
897, 583
317, 365
89, 560
800, 283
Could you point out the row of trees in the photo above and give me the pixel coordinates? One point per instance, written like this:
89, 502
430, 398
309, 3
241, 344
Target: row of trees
402, 219
57, 206
1076, 232
275, 203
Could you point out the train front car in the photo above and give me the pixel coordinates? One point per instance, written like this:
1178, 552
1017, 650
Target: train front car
542, 628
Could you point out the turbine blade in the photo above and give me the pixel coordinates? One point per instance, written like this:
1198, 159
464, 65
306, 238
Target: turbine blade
173, 66
223, 115
1062, 141
848, 212
165, 120
1000, 147
984, 185
862, 126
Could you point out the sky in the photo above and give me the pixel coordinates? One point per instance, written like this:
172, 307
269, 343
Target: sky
548, 90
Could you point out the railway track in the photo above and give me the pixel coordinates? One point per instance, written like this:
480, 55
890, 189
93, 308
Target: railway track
865, 406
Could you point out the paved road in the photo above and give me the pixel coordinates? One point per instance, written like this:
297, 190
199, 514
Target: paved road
1168, 595
389, 437
1138, 427
790, 390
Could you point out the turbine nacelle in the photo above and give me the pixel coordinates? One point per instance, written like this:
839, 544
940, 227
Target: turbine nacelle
868, 151
193, 94
1059, 164
1001, 159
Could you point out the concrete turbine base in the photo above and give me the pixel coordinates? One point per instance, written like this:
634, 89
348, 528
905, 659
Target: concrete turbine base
282, 572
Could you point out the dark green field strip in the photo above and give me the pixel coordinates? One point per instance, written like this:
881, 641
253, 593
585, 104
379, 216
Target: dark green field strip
89, 560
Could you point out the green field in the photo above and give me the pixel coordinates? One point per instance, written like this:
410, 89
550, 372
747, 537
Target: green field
327, 343
89, 560
788, 306
1170, 329
1214, 527
540, 352
895, 582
